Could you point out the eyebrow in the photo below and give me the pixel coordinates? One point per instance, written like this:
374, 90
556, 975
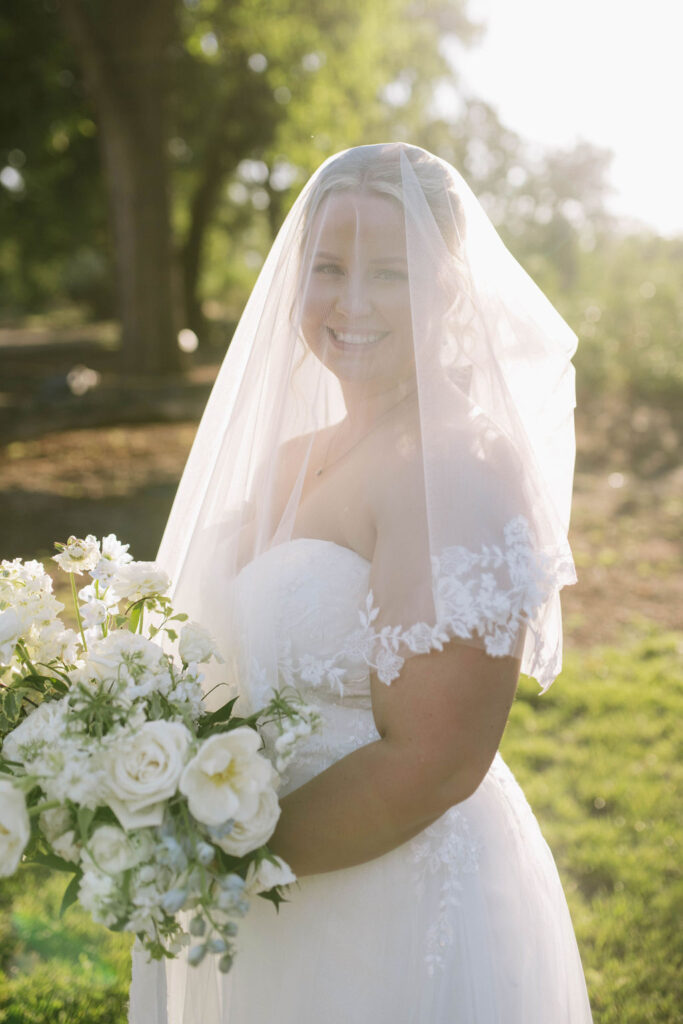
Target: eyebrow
380, 259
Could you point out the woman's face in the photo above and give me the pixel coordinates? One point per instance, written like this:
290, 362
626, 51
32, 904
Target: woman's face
356, 308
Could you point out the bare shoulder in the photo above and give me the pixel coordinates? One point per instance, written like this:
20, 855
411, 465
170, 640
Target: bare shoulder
396, 479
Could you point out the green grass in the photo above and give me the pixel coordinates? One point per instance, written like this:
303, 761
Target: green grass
597, 757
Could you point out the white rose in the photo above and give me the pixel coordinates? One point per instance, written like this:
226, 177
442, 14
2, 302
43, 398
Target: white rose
267, 875
226, 777
11, 629
15, 828
196, 644
139, 579
144, 769
79, 555
249, 833
111, 850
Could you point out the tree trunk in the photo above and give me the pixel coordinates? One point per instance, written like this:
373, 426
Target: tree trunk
124, 50
230, 139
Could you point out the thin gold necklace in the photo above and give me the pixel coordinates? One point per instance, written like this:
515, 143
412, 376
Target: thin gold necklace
379, 419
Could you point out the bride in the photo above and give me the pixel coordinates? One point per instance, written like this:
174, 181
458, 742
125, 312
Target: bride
375, 510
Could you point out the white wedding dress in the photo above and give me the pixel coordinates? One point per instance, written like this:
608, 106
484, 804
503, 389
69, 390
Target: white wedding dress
466, 923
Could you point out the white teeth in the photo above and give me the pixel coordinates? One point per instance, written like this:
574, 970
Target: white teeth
356, 339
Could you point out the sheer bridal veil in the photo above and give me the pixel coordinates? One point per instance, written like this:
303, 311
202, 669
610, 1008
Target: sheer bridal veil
394, 352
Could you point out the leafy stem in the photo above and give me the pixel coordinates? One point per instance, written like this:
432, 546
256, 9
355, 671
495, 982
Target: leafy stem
78, 613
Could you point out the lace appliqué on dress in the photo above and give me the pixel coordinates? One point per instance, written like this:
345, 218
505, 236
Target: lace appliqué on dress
491, 592
493, 603
445, 848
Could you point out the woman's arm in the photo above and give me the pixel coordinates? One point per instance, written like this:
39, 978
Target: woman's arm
440, 724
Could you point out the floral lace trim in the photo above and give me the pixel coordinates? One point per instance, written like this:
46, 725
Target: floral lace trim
445, 847
469, 599
318, 751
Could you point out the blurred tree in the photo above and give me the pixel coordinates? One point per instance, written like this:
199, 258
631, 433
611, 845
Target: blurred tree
53, 230
209, 115
181, 93
124, 51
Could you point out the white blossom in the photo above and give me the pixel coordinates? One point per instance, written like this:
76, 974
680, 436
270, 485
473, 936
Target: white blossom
94, 613
67, 846
11, 629
144, 769
111, 850
96, 889
44, 726
54, 822
15, 828
267, 875
114, 555
134, 661
226, 777
79, 555
139, 579
197, 645
248, 833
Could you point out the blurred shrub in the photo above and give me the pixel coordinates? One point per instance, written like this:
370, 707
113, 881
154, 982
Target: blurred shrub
627, 309
58, 994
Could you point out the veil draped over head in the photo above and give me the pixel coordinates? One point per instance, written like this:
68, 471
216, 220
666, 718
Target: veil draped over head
398, 386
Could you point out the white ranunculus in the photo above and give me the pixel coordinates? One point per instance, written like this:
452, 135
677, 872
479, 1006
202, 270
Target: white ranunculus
144, 770
139, 579
196, 644
15, 828
11, 629
226, 777
249, 833
78, 554
267, 875
111, 850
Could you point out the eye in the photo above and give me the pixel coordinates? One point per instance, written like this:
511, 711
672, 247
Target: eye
387, 274
328, 268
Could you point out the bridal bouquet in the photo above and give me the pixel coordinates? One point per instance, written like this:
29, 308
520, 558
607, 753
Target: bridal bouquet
113, 768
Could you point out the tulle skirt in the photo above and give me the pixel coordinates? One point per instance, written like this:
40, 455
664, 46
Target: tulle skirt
466, 923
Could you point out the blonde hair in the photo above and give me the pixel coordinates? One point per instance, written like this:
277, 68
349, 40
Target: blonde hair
378, 169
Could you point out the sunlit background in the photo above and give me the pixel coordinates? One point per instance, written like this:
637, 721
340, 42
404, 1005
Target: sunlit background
606, 71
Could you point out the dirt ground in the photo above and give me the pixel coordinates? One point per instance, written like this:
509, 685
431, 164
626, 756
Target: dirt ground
625, 530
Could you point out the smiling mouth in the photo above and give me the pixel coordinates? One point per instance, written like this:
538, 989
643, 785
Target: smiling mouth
358, 339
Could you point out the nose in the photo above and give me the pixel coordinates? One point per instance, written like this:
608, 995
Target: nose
354, 298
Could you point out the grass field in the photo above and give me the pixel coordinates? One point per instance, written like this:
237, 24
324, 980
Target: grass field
597, 756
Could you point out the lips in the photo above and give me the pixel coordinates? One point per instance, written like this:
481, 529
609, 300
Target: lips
355, 339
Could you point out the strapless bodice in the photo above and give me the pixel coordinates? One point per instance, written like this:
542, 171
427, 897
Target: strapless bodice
295, 608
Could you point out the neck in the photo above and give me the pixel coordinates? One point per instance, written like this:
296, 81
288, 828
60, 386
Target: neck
367, 401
